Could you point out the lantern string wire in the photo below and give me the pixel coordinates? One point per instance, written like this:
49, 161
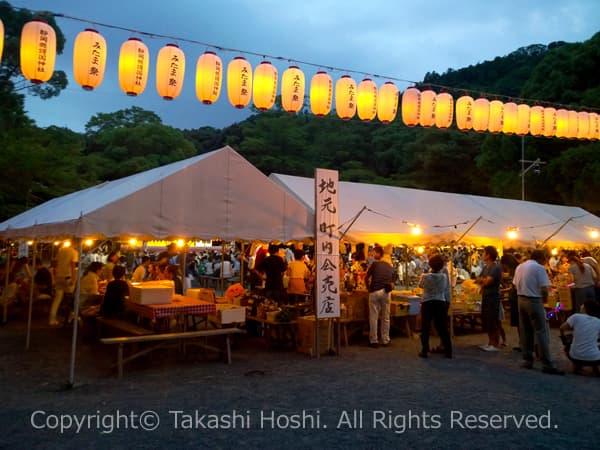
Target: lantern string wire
418, 84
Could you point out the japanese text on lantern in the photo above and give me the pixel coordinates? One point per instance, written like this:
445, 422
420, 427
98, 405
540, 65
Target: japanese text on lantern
327, 254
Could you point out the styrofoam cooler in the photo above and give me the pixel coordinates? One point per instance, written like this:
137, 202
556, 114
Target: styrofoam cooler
152, 292
228, 313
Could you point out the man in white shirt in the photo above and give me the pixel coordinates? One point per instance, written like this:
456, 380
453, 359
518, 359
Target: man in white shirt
585, 326
141, 272
532, 283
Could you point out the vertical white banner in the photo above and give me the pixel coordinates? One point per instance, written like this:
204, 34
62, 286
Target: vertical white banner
327, 247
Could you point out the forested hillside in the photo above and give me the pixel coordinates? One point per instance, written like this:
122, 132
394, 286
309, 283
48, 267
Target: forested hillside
39, 164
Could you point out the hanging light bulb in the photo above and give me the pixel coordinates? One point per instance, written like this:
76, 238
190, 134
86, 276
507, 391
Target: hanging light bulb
511, 117
549, 122
411, 106
427, 113
573, 129
366, 100
536, 120
522, 119
583, 119
321, 91
134, 61
89, 59
415, 230
292, 89
562, 123
481, 114
387, 102
170, 70
444, 109
594, 234
209, 76
38, 51
464, 112
512, 233
345, 97
239, 82
496, 121
265, 86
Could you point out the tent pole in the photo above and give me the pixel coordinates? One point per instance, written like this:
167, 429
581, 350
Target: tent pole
184, 270
6, 276
27, 340
222, 280
75, 316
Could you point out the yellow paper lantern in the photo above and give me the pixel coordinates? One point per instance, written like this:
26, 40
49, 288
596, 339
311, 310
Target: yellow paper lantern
366, 100
134, 60
265, 86
562, 123
481, 114
594, 132
464, 112
170, 70
584, 125
511, 115
38, 51
292, 89
321, 92
345, 97
444, 110
549, 122
209, 77
496, 120
411, 106
573, 129
536, 120
239, 82
522, 119
89, 59
387, 102
427, 112
1, 39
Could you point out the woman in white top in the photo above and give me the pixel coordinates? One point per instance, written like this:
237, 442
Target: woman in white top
582, 275
586, 331
90, 285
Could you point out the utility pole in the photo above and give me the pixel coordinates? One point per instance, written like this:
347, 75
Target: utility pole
535, 165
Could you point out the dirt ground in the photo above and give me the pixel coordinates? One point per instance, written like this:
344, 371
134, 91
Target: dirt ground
268, 398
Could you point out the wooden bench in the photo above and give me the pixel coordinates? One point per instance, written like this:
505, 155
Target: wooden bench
121, 325
164, 339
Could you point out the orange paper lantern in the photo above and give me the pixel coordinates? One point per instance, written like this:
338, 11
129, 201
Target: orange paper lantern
209, 77
366, 100
536, 121
239, 82
38, 51
573, 129
265, 86
411, 106
444, 110
583, 131
427, 113
496, 120
594, 132
464, 112
562, 123
89, 59
511, 115
387, 102
549, 122
1, 39
134, 60
292, 89
522, 119
321, 92
345, 97
481, 114
170, 70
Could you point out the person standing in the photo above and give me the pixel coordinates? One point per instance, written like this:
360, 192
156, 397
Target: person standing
436, 298
66, 267
273, 266
490, 279
532, 283
583, 276
379, 280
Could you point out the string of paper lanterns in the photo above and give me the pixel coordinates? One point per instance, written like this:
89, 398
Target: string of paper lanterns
365, 100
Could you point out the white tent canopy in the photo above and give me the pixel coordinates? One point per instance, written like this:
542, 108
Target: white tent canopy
391, 212
215, 195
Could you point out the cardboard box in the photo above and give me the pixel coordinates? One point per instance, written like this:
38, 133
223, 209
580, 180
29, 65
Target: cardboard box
205, 294
398, 308
306, 335
151, 293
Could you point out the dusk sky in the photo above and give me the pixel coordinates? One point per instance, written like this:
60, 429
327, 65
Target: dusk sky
394, 39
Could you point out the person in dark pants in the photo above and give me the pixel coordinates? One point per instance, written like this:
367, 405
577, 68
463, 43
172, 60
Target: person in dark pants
113, 304
490, 280
273, 266
436, 297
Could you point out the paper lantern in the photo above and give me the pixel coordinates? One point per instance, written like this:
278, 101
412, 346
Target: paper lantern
292, 89
427, 112
522, 119
562, 123
536, 120
264, 86
1, 39
511, 115
573, 128
481, 114
549, 122
209, 77
411, 106
239, 82
134, 61
387, 102
345, 97
366, 100
594, 132
89, 59
321, 91
464, 112
496, 120
584, 125
444, 109
170, 70
38, 51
